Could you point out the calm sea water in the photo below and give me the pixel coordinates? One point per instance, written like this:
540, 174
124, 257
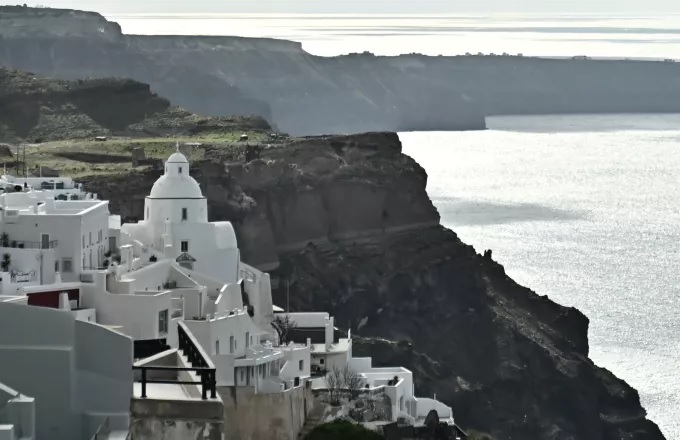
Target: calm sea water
581, 208
585, 209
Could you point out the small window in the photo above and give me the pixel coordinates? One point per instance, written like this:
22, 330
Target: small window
67, 265
302, 365
321, 361
185, 214
184, 246
56, 265
232, 348
100, 235
217, 347
247, 339
179, 170
83, 241
163, 321
90, 237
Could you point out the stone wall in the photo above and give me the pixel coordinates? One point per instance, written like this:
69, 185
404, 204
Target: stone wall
176, 419
278, 416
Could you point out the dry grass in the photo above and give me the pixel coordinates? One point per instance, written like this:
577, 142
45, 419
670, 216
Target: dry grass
86, 157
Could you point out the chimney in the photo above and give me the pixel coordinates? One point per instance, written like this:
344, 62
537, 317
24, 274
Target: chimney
64, 303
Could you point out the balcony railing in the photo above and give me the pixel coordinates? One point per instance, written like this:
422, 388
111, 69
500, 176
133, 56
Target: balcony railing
201, 365
29, 244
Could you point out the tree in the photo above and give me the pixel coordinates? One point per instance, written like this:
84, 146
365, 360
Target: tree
352, 382
342, 430
333, 381
283, 326
6, 262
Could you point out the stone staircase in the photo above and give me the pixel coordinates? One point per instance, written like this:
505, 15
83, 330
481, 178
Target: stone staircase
314, 419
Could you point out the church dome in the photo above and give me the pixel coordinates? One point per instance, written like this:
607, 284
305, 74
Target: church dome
176, 183
177, 157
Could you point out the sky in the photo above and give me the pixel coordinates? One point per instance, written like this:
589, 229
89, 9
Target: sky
365, 6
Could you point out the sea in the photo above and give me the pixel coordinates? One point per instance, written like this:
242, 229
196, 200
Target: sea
582, 208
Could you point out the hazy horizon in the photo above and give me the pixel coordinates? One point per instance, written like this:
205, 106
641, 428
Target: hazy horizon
366, 7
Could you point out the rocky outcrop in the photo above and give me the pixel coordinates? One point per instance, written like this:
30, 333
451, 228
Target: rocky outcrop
347, 220
40, 109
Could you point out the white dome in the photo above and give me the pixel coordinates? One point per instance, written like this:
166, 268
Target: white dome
176, 187
176, 183
177, 158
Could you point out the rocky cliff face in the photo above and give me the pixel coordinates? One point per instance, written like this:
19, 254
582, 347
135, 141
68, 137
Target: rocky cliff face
347, 220
34, 108
305, 94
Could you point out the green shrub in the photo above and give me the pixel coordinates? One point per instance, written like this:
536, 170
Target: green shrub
340, 430
476, 435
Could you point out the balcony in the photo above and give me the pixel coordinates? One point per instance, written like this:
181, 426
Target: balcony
17, 244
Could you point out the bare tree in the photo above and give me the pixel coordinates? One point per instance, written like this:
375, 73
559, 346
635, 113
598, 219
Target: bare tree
283, 326
351, 382
334, 384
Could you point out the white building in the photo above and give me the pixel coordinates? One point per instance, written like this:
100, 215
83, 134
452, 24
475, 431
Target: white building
173, 270
78, 374
63, 188
329, 351
176, 224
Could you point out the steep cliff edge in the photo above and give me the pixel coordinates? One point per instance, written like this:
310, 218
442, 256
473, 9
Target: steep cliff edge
42, 109
305, 94
348, 221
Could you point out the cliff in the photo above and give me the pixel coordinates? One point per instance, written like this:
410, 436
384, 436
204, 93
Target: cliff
305, 94
348, 221
42, 109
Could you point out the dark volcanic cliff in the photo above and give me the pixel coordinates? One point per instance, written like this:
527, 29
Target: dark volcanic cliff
302, 94
34, 108
347, 220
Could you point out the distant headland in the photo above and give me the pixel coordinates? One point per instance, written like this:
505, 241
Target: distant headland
302, 94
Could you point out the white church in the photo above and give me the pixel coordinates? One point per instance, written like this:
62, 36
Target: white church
174, 278
176, 224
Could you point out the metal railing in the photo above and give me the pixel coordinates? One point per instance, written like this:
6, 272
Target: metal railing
103, 431
201, 365
29, 244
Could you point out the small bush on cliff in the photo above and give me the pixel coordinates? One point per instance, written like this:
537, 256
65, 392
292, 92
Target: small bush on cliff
476, 435
341, 430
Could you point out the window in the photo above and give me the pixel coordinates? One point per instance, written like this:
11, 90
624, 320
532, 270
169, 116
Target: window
90, 237
302, 365
56, 265
67, 265
179, 170
217, 347
83, 241
185, 214
247, 339
231, 348
321, 361
99, 236
163, 321
184, 246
